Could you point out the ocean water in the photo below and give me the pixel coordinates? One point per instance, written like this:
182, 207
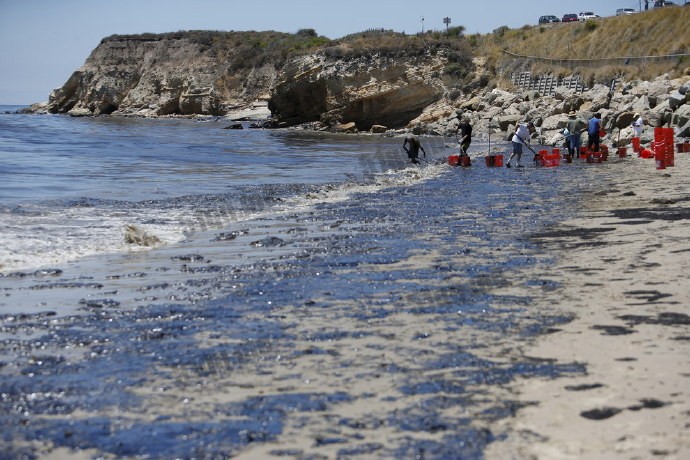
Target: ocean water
312, 295
70, 186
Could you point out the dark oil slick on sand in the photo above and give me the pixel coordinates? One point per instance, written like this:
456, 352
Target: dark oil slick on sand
149, 340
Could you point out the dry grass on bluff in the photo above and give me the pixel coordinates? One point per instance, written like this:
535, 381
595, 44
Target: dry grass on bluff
599, 47
652, 33
606, 41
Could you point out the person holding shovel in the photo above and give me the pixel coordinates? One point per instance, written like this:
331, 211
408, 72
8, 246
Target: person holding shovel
521, 136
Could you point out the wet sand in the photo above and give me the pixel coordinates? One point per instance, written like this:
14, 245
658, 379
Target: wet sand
396, 325
621, 272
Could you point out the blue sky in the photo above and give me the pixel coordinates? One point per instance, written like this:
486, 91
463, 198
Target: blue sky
43, 41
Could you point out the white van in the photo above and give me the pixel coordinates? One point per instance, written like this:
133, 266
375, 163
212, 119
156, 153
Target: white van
625, 11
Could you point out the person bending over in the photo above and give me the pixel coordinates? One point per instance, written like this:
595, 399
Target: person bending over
412, 146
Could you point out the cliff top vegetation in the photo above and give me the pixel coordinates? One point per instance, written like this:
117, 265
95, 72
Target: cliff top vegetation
598, 49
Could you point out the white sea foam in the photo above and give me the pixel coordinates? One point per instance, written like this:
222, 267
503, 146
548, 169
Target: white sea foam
43, 237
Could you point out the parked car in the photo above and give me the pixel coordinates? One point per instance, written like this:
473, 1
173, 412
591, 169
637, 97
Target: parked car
570, 17
662, 4
548, 19
625, 11
585, 15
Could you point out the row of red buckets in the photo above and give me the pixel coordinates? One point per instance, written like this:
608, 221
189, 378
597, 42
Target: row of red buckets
662, 150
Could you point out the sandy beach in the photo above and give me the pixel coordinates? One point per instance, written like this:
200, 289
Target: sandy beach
343, 331
621, 272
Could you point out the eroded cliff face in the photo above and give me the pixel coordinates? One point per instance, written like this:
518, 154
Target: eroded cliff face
157, 76
189, 73
367, 90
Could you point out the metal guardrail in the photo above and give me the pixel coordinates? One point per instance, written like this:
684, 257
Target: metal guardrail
597, 61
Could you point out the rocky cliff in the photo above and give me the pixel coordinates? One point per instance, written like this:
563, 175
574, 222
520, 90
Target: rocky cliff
180, 74
209, 73
367, 91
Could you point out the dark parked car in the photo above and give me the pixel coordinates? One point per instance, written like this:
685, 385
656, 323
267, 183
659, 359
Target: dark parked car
572, 17
548, 18
662, 4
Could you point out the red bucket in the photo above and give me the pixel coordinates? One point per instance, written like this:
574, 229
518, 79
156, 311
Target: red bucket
498, 161
465, 161
594, 157
660, 158
646, 153
551, 160
453, 160
636, 144
622, 152
490, 161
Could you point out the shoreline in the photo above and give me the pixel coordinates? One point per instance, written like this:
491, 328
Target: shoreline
347, 332
620, 273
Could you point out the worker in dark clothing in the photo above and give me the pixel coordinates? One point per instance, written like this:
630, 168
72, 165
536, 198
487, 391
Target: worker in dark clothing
464, 135
412, 146
593, 130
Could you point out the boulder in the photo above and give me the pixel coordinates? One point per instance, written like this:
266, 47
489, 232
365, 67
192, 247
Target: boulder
684, 131
659, 115
681, 116
623, 120
452, 126
137, 236
556, 122
471, 104
562, 93
500, 98
675, 100
640, 105
573, 104
659, 87
378, 129
683, 89
504, 122
532, 95
599, 97
350, 127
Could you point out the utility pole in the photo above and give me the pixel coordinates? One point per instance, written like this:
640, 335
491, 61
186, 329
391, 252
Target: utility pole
422, 24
